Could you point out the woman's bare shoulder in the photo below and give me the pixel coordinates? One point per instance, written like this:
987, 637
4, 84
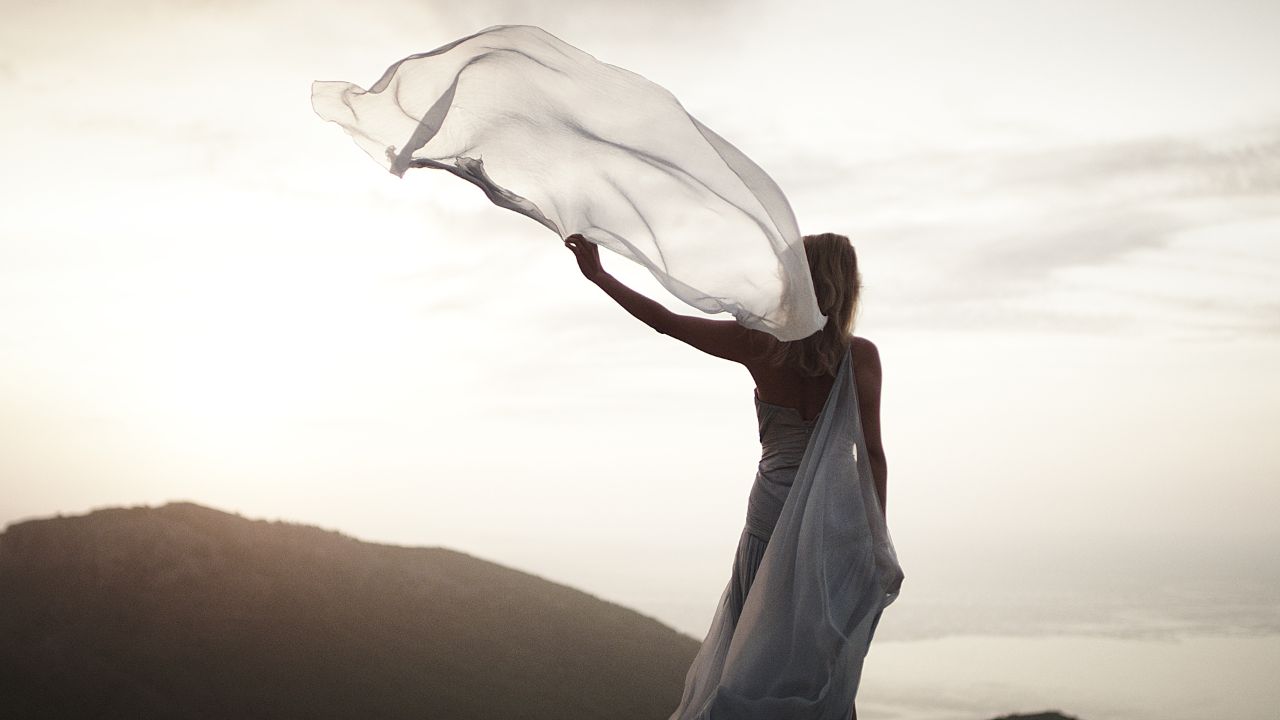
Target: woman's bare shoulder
863, 346
866, 356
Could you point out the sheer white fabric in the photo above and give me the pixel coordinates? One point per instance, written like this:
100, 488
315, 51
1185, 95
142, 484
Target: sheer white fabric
581, 146
828, 572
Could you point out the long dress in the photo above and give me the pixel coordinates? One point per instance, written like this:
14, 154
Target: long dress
814, 569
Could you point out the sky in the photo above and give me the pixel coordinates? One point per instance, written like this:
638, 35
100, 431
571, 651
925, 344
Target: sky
1067, 216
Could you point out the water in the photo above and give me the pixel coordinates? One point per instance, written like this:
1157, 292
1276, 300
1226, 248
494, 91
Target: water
1156, 633
1093, 678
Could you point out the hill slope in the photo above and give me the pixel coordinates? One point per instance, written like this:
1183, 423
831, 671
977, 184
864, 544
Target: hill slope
183, 611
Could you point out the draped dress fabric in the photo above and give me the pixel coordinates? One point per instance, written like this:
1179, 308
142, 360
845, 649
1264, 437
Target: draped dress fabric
814, 569
581, 146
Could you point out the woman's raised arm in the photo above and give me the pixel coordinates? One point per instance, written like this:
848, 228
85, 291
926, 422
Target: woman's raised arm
723, 338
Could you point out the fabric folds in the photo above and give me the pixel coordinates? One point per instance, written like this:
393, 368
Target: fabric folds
795, 648
581, 146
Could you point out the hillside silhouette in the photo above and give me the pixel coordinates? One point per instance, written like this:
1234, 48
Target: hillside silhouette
182, 611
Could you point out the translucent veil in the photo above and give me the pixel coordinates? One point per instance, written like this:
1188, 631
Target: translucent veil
581, 146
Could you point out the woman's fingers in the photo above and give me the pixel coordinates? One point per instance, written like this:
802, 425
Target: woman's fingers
578, 244
587, 254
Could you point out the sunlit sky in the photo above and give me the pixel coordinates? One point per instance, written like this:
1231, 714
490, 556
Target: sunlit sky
1067, 216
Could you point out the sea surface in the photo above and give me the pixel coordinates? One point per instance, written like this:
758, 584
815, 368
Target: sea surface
1092, 678
1164, 635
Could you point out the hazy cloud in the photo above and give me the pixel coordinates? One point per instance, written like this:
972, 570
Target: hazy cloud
976, 238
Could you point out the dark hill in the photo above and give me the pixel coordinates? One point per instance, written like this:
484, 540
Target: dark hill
186, 612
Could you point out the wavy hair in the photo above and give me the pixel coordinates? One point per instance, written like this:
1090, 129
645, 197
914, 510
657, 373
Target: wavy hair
833, 265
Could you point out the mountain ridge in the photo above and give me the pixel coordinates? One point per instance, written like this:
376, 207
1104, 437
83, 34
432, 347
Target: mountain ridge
188, 611
185, 606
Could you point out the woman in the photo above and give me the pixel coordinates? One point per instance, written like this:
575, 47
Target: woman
815, 565
794, 384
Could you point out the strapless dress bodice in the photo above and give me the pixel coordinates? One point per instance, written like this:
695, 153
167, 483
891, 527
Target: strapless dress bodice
784, 435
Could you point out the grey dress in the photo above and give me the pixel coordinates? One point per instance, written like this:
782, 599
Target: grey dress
784, 435
814, 569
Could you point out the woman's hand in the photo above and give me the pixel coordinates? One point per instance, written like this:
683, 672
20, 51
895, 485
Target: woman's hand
588, 254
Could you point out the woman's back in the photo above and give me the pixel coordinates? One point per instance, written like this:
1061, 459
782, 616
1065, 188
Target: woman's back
788, 387
790, 390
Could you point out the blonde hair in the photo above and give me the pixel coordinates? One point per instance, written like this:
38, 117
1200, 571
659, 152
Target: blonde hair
833, 265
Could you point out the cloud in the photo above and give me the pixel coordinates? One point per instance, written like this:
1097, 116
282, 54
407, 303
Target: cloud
1003, 237
985, 238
